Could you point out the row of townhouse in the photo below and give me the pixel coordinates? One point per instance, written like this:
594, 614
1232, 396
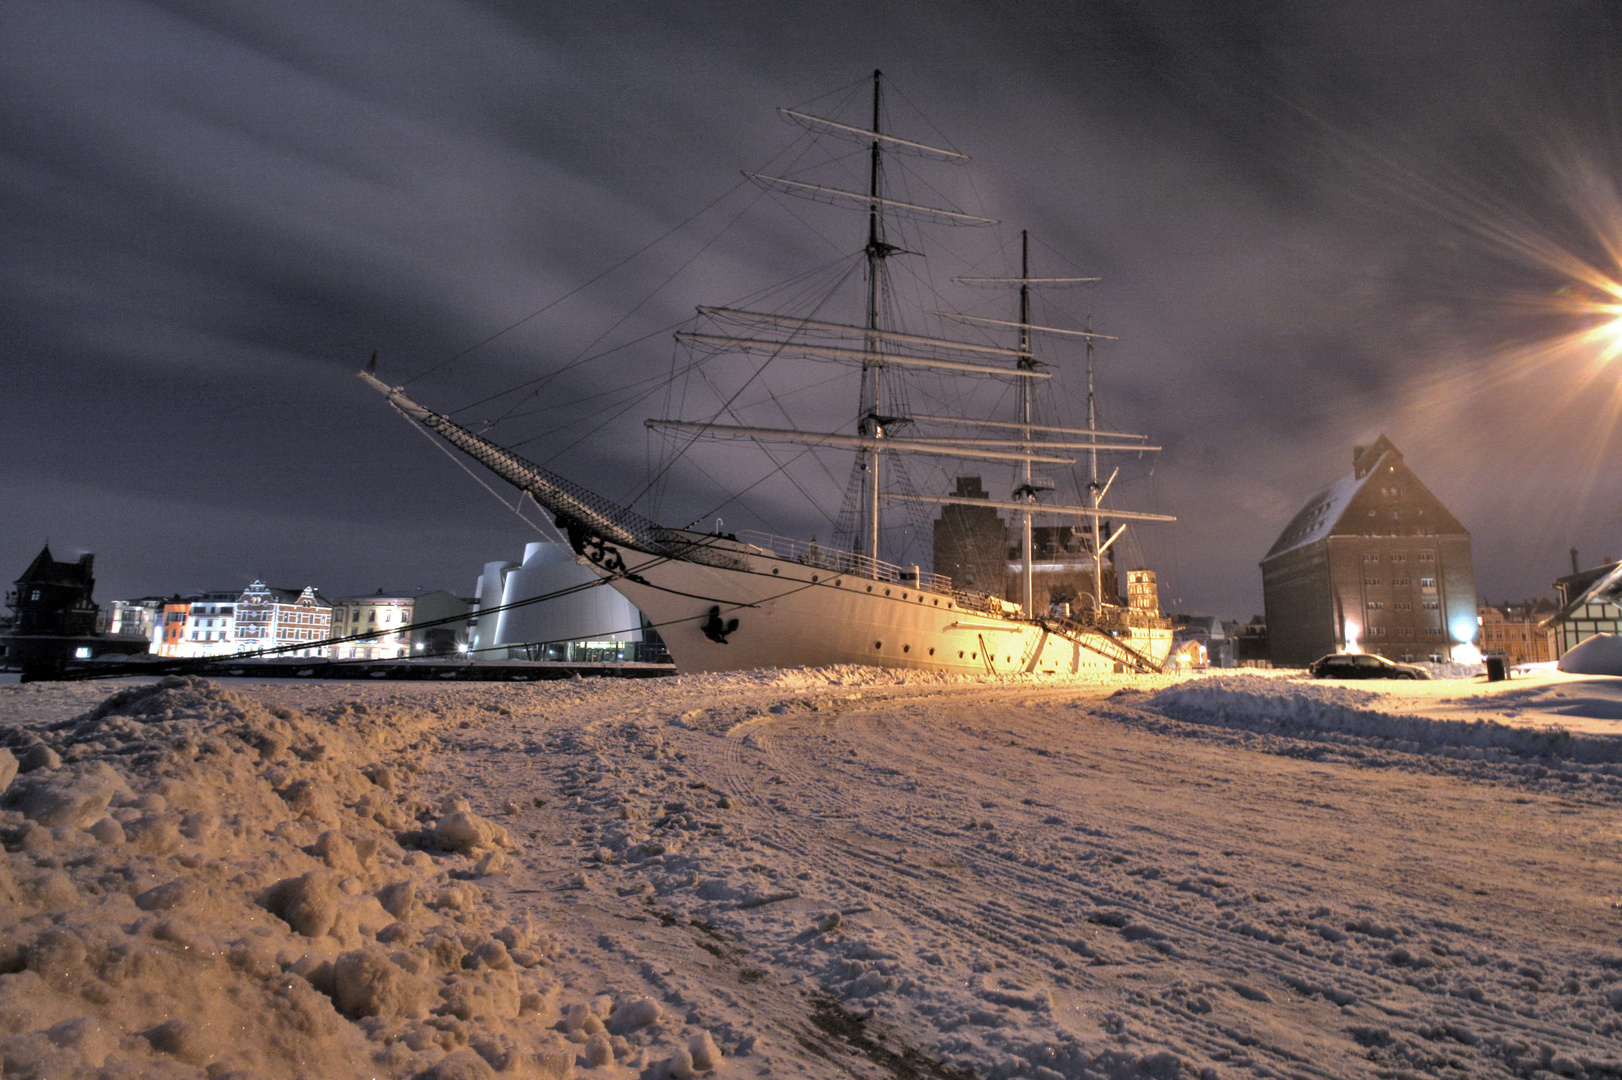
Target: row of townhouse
302, 622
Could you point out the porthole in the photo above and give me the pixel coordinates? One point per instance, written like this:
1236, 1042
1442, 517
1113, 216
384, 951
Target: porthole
906, 648
870, 588
974, 656
886, 592
932, 650
903, 596
960, 654
937, 603
814, 577
775, 570
837, 583
878, 644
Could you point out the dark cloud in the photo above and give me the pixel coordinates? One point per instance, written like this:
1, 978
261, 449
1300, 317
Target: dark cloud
1316, 223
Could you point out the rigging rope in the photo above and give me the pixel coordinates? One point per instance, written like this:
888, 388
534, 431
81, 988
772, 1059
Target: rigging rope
579, 288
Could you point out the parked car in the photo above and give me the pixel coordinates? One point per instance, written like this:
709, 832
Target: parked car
1363, 666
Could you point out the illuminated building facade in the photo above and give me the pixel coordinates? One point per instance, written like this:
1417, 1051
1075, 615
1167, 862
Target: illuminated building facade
210, 625
1374, 563
1518, 632
269, 618
172, 626
143, 616
388, 617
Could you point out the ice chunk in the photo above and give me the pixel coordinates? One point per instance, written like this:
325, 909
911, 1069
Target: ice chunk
635, 1013
177, 893
679, 1066
64, 799
366, 983
706, 1055
460, 1065
598, 1051
308, 903
39, 756
179, 1038
465, 831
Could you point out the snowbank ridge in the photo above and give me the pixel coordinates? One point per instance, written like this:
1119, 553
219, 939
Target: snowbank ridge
198, 885
1281, 707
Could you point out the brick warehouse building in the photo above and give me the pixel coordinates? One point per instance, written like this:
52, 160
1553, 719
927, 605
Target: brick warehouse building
971, 542
1374, 562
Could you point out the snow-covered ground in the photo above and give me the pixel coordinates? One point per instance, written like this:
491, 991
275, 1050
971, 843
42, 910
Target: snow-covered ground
826, 874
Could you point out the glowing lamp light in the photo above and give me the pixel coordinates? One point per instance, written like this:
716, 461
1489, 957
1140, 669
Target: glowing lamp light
1606, 332
1352, 632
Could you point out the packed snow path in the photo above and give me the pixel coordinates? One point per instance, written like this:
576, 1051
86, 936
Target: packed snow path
862, 874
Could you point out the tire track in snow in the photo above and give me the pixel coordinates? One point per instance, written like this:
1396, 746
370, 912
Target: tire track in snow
1243, 951
930, 905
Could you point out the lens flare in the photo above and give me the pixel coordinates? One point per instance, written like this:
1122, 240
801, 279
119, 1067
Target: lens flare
1597, 306
1527, 345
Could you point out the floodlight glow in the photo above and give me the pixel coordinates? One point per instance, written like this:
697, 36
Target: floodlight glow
1352, 632
1567, 349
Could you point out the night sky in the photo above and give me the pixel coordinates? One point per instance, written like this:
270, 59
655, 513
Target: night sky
1315, 223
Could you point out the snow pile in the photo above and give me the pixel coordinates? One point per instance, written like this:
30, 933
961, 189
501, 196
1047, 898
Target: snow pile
858, 675
198, 885
1598, 655
1289, 707
1452, 670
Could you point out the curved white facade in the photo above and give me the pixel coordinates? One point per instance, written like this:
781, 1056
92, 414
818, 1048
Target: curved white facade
591, 614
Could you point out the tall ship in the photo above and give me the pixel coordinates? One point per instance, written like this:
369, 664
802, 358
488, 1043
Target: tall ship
722, 601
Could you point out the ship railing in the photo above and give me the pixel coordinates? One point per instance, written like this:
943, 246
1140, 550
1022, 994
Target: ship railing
983, 603
810, 553
1107, 621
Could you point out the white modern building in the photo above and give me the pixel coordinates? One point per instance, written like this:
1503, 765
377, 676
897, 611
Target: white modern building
592, 623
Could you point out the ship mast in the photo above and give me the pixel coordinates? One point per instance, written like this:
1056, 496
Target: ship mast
1029, 444
869, 424
1092, 480
1026, 491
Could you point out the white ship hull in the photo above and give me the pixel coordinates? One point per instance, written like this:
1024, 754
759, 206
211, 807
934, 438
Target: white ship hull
791, 614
